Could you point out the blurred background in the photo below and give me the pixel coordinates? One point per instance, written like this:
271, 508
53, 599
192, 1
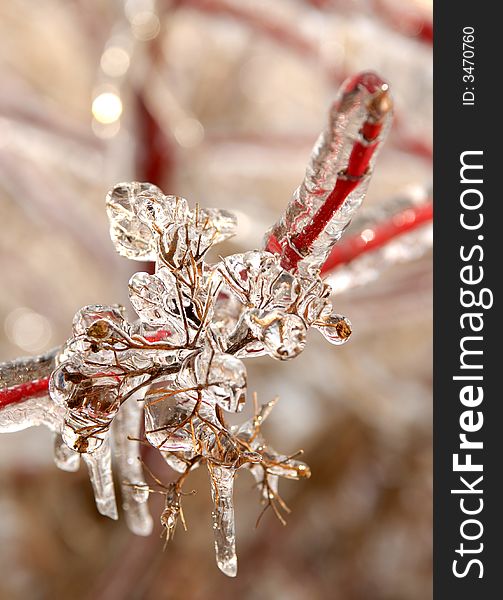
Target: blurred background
219, 101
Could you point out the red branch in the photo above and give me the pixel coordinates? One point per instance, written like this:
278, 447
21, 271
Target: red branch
376, 237
32, 389
362, 151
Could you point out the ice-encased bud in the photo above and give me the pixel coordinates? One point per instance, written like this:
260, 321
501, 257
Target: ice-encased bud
90, 404
131, 236
282, 466
94, 320
83, 444
336, 329
63, 382
283, 335
93, 398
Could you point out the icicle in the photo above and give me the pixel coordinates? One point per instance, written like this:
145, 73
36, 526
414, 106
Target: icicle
224, 529
126, 431
99, 464
65, 458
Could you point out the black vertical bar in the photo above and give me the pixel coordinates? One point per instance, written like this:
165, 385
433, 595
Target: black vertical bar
468, 124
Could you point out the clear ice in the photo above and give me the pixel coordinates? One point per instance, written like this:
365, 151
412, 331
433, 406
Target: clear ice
179, 366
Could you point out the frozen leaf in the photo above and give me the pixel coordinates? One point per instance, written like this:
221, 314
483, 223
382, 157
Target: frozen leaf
313, 301
166, 415
157, 303
223, 223
224, 379
158, 211
131, 236
257, 279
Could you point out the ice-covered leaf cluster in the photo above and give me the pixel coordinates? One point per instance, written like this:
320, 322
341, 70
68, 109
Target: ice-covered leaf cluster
180, 364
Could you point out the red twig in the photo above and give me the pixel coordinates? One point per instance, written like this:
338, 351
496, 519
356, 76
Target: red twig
32, 389
362, 151
155, 157
379, 235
